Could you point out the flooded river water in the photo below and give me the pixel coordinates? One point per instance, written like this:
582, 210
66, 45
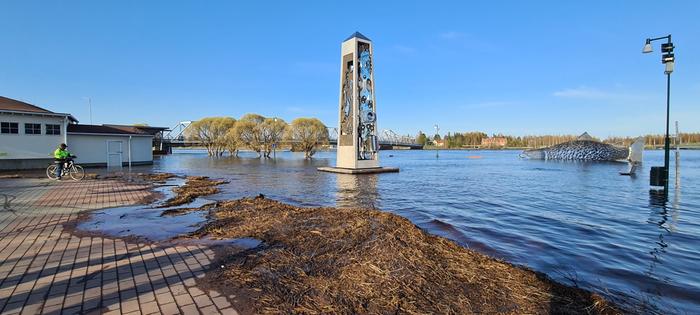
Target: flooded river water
577, 222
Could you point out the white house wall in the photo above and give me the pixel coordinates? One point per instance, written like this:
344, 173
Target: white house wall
24, 146
92, 149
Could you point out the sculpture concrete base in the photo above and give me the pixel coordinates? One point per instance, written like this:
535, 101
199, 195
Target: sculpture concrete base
372, 170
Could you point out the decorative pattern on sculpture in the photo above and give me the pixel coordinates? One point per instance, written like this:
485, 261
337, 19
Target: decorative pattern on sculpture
346, 107
579, 150
367, 138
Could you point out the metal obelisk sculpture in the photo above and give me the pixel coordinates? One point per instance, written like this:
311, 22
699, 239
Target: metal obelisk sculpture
358, 144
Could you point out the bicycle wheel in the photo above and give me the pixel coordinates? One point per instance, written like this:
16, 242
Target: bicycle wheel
51, 171
77, 172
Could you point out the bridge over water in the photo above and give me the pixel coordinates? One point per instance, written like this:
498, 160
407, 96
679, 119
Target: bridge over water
388, 139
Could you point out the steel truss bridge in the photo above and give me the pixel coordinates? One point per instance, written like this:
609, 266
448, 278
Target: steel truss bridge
388, 139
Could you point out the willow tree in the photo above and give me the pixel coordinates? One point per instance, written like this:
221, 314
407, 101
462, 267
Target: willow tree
273, 132
232, 142
308, 134
248, 132
211, 132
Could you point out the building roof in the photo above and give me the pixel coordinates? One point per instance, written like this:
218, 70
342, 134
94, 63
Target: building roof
19, 106
8, 104
104, 129
151, 130
358, 35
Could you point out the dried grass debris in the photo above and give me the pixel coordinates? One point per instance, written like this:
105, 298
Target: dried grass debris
360, 261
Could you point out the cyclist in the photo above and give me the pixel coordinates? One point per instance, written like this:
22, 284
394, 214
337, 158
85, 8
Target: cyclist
61, 157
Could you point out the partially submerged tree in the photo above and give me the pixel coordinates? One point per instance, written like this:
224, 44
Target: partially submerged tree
421, 139
273, 132
211, 132
308, 134
232, 142
248, 132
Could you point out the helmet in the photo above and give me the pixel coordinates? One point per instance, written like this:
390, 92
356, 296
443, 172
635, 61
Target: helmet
63, 145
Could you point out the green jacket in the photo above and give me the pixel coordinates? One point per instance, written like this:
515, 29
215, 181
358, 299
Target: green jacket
61, 154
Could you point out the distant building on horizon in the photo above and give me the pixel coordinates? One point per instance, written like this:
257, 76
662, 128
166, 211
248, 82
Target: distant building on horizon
494, 142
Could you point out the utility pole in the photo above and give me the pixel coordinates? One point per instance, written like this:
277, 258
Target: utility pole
89, 99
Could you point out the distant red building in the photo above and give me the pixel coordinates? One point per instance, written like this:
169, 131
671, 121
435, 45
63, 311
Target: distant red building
494, 142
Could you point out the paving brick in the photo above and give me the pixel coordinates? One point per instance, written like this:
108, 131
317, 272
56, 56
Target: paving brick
111, 304
169, 309
209, 310
229, 311
129, 305
221, 302
183, 299
71, 311
189, 310
165, 298
149, 308
31, 309
202, 301
195, 291
52, 309
44, 269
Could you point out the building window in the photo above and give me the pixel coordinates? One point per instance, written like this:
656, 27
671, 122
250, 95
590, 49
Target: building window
53, 129
32, 129
9, 127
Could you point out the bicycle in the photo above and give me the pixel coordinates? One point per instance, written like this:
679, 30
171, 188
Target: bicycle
71, 169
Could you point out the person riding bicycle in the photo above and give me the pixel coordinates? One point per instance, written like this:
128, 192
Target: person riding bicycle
61, 157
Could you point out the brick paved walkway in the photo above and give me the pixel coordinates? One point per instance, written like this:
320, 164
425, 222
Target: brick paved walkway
44, 269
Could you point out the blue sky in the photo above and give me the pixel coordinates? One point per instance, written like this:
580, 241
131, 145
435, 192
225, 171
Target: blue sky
514, 67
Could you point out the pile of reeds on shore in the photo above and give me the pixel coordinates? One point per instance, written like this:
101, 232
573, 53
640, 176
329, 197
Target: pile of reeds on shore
360, 261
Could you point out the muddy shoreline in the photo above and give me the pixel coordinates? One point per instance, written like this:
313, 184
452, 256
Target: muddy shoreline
338, 260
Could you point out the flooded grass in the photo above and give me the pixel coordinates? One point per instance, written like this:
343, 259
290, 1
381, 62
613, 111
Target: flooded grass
343, 260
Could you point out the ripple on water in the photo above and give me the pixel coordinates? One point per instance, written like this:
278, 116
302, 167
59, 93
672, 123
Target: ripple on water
551, 216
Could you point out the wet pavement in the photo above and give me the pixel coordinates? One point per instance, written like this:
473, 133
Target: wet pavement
45, 268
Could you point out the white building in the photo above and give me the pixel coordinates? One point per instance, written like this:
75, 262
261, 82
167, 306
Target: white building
29, 134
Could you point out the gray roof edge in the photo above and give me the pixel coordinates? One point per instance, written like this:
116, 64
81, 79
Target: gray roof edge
49, 113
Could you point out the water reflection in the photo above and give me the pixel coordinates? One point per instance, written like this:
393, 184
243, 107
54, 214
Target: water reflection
659, 217
665, 224
357, 191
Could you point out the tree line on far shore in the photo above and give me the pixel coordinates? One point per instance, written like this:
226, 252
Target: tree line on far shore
257, 133
475, 138
657, 140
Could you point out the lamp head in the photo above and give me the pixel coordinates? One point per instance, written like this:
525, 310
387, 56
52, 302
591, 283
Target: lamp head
647, 47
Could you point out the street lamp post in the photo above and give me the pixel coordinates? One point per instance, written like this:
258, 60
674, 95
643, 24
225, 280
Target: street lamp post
668, 59
437, 147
